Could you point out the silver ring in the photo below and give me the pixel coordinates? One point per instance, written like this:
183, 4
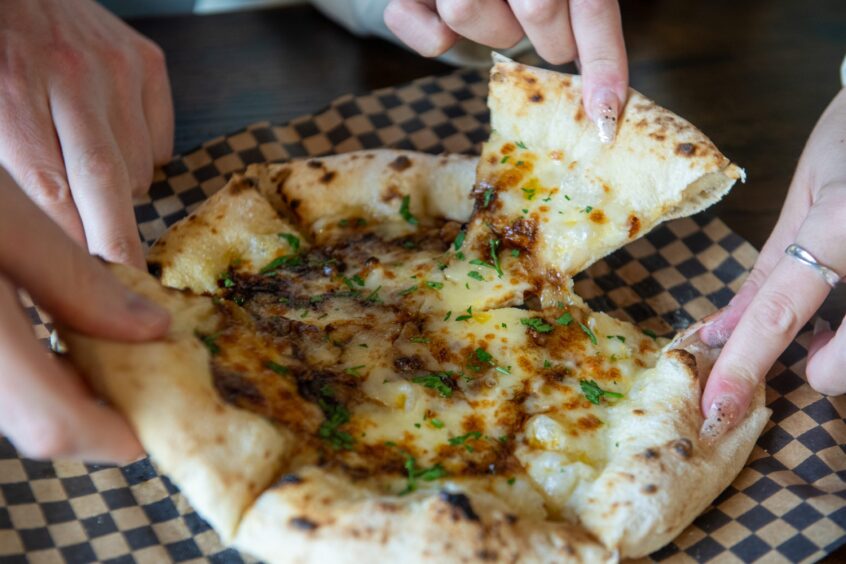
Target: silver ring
802, 255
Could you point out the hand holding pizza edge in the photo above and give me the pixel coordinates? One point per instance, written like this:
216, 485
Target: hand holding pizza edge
45, 408
86, 111
781, 294
589, 31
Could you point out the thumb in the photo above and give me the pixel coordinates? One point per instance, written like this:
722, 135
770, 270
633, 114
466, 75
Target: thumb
73, 287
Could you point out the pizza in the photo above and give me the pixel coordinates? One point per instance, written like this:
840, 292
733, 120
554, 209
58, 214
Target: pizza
380, 355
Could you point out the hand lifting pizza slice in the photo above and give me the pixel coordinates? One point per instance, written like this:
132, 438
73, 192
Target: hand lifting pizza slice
368, 360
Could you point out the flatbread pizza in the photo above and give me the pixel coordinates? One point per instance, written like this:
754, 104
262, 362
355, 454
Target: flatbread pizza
379, 355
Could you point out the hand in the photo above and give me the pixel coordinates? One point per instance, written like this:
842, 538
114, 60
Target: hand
781, 294
588, 31
86, 111
45, 409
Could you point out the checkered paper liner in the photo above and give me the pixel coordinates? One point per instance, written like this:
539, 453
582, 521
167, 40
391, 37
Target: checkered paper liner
788, 504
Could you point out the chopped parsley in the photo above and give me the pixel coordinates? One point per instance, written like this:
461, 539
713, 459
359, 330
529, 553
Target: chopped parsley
587, 209
293, 240
408, 290
515, 252
536, 323
618, 337
588, 332
565, 319
650, 333
459, 240
353, 370
280, 262
435, 285
494, 244
476, 276
525, 210
547, 364
459, 255
462, 439
209, 341
594, 393
404, 211
511, 481
419, 339
336, 415
484, 356
521, 144
448, 315
528, 193
436, 381
566, 197
414, 473
436, 423
487, 197
504, 159
278, 368
548, 198
464, 317
374, 296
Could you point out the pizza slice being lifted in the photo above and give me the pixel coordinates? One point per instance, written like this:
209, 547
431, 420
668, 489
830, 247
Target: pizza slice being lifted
375, 356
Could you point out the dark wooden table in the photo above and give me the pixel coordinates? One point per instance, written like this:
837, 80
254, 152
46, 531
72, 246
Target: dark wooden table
754, 75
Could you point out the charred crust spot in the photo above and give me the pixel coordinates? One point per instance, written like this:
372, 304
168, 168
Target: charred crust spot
400, 163
155, 269
487, 554
522, 233
408, 363
597, 216
683, 447
537, 97
580, 113
460, 504
508, 148
510, 518
314, 164
295, 204
638, 411
302, 523
328, 177
650, 489
686, 149
233, 387
633, 223
392, 192
685, 358
651, 454
288, 480
449, 231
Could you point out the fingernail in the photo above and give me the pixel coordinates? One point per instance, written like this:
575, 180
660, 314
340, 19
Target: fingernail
605, 105
721, 417
146, 312
821, 325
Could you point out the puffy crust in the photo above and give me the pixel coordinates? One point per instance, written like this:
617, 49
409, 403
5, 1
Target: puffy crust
235, 225
317, 193
662, 472
319, 517
221, 457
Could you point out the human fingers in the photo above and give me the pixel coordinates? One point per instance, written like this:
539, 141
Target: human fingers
30, 150
44, 409
489, 22
598, 31
157, 102
97, 174
418, 25
547, 24
75, 288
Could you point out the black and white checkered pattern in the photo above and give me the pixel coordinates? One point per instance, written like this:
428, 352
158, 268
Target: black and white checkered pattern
788, 504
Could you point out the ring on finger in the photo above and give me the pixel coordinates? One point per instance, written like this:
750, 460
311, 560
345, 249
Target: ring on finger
803, 256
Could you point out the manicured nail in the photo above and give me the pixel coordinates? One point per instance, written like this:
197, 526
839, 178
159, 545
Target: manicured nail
721, 417
146, 312
604, 107
821, 325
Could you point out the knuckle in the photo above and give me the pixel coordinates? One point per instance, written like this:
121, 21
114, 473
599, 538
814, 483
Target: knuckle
116, 248
47, 187
774, 313
99, 161
458, 12
153, 56
826, 377
588, 8
46, 439
540, 11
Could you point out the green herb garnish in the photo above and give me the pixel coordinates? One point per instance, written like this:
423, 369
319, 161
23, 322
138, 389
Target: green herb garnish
618, 337
594, 393
278, 368
404, 211
408, 290
521, 144
209, 341
436, 423
353, 370
419, 339
588, 332
436, 381
459, 240
565, 319
487, 197
528, 193
476, 276
435, 285
650, 333
536, 323
293, 240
